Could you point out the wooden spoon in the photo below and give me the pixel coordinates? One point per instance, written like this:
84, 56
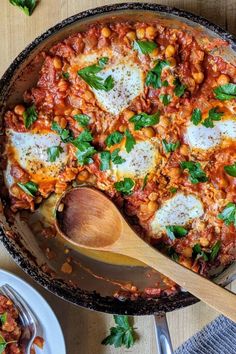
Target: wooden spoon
90, 220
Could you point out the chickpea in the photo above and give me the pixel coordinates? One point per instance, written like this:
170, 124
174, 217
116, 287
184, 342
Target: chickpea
131, 35
83, 176
150, 32
184, 149
164, 122
67, 112
128, 114
172, 61
75, 111
170, 51
204, 241
63, 122
187, 252
92, 179
223, 79
106, 32
198, 77
140, 33
62, 85
57, 63
154, 53
122, 128
19, 109
174, 172
153, 196
149, 132
152, 206
88, 95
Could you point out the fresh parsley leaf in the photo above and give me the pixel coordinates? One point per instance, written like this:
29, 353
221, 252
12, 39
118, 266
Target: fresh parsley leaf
114, 138
84, 153
125, 186
231, 170
165, 83
54, 152
172, 254
228, 214
65, 134
196, 116
30, 116
3, 318
82, 119
153, 78
27, 6
30, 188
215, 250
173, 190
66, 75
115, 158
179, 88
3, 344
169, 147
174, 231
213, 115
144, 120
88, 74
122, 334
144, 47
85, 135
199, 253
145, 181
225, 92
196, 174
130, 141
165, 99
105, 158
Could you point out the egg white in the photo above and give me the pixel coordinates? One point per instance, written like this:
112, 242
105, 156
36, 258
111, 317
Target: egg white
140, 161
201, 137
179, 210
29, 150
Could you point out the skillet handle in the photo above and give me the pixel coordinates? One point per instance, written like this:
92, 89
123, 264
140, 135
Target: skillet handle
164, 345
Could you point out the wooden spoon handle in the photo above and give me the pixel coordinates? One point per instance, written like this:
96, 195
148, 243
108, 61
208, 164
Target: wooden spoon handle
212, 294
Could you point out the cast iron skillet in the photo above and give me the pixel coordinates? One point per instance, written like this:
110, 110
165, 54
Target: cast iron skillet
90, 292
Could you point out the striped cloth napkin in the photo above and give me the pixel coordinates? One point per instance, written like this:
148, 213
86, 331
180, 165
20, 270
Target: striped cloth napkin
218, 337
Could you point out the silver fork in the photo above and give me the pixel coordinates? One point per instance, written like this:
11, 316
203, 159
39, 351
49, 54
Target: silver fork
28, 320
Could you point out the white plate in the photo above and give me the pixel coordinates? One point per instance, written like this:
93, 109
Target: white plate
52, 333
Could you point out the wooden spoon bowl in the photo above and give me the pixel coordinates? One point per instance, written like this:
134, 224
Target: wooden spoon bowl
90, 220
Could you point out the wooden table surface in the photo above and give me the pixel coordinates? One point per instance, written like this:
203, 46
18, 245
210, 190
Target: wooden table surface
84, 329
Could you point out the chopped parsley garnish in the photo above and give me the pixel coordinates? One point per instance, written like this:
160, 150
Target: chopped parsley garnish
122, 334
125, 186
225, 92
85, 136
105, 158
65, 134
89, 75
144, 47
30, 188
165, 99
66, 75
196, 174
199, 253
172, 254
54, 152
82, 119
114, 138
179, 88
115, 158
153, 78
30, 116
142, 120
145, 181
174, 231
196, 116
213, 115
3, 318
27, 6
3, 344
84, 153
170, 147
173, 190
215, 250
130, 141
231, 170
228, 214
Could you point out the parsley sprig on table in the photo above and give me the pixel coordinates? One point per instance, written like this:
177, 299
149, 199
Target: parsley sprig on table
89, 75
27, 6
121, 335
